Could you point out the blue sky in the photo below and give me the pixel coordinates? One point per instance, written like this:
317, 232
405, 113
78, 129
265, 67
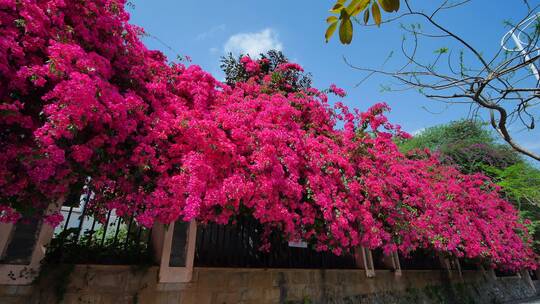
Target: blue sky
206, 30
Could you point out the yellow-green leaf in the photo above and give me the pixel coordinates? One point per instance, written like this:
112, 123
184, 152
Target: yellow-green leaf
330, 31
366, 16
331, 19
345, 31
337, 8
360, 6
337, 5
376, 12
352, 5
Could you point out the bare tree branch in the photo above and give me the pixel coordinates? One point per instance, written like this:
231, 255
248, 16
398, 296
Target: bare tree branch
505, 85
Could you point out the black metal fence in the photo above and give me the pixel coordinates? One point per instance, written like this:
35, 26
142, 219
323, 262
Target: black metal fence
379, 260
82, 238
505, 273
468, 264
420, 259
239, 246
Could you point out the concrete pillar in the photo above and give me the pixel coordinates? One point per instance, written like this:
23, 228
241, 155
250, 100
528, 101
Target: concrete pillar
445, 264
364, 260
458, 266
526, 276
452, 266
175, 251
489, 274
392, 261
24, 273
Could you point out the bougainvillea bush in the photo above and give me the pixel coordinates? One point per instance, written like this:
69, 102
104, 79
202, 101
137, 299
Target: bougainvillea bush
81, 97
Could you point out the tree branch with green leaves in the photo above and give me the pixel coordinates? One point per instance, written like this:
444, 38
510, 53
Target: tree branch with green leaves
345, 11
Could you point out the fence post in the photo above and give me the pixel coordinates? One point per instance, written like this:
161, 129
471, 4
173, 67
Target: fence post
489, 274
364, 260
449, 264
525, 275
175, 250
25, 271
5, 233
392, 261
458, 265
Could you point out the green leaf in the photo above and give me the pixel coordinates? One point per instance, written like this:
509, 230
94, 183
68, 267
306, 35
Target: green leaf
20, 22
396, 5
330, 31
331, 19
442, 50
346, 31
366, 16
389, 5
386, 5
376, 12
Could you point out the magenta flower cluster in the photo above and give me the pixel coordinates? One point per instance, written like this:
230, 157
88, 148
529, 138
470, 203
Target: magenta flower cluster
81, 96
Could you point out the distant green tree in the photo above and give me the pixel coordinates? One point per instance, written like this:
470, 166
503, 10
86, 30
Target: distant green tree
474, 149
466, 144
235, 71
521, 185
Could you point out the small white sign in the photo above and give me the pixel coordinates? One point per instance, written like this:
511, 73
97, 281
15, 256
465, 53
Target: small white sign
298, 244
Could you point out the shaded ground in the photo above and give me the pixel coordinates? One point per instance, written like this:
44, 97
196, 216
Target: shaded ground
535, 300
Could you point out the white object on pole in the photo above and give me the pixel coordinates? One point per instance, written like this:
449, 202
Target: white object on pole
298, 244
520, 28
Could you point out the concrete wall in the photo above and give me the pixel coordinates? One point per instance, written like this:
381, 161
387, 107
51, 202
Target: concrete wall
124, 284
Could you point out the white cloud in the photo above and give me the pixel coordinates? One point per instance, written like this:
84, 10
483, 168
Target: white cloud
253, 43
211, 32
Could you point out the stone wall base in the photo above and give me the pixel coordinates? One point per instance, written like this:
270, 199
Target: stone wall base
129, 285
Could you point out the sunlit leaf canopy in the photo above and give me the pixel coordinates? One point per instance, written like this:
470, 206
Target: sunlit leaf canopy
344, 12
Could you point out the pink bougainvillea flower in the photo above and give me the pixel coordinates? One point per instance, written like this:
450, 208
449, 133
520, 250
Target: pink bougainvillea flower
81, 96
338, 91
